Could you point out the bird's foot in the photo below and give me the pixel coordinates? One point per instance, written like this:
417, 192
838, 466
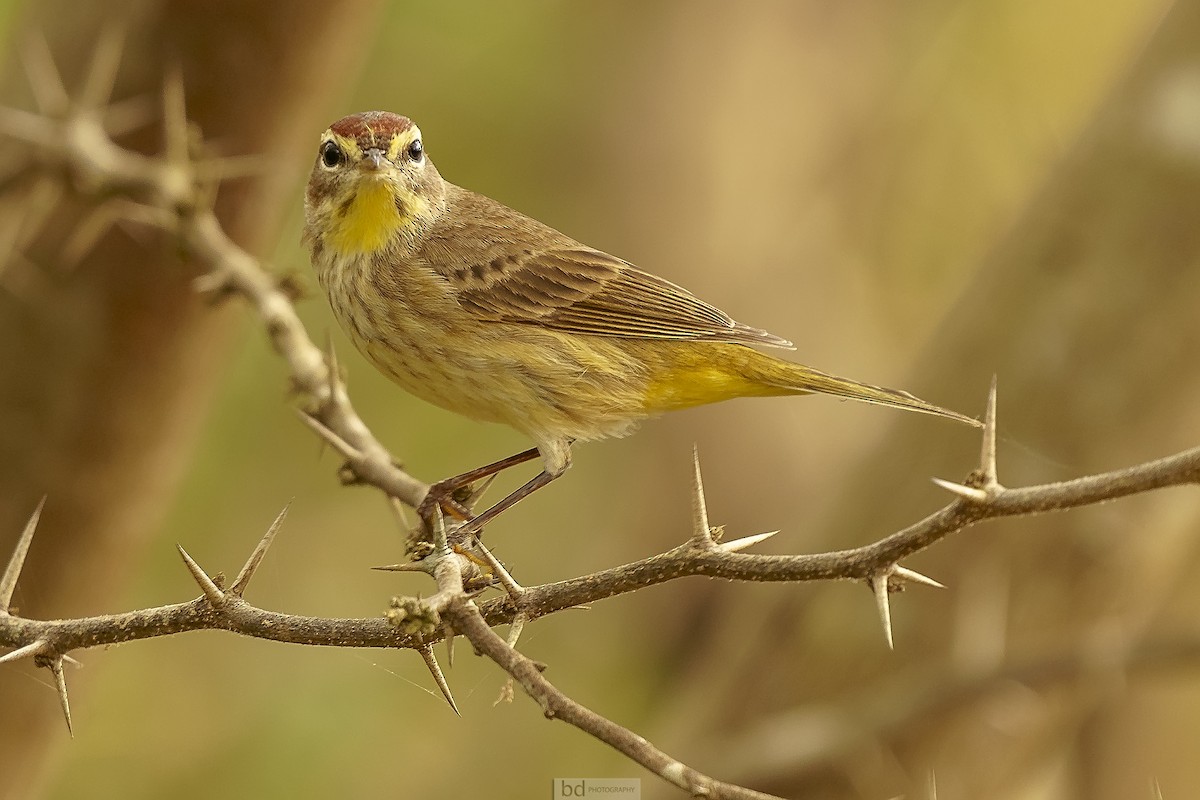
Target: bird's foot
451, 497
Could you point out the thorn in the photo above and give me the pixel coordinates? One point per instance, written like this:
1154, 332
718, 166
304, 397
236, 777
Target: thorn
472, 594
987, 461
965, 492
39, 204
24, 125
478, 491
701, 531
398, 510
438, 676
8, 583
341, 445
102, 73
248, 569
514, 589
411, 566
31, 650
904, 573
333, 366
175, 130
216, 283
74, 662
517, 628
745, 541
158, 218
128, 115
879, 585
89, 231
216, 597
440, 544
49, 93
448, 632
60, 680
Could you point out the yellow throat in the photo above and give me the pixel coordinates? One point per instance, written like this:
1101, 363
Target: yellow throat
369, 220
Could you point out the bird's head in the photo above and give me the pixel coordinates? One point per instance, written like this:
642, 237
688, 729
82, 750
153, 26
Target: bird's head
372, 183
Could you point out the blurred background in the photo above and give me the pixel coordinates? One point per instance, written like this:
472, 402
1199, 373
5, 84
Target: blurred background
919, 194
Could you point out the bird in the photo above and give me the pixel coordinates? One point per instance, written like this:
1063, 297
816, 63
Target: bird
484, 311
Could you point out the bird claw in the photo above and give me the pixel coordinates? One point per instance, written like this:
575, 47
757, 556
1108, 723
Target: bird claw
444, 495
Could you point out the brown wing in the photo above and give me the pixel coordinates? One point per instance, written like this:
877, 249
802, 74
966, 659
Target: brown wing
587, 291
504, 266
555, 282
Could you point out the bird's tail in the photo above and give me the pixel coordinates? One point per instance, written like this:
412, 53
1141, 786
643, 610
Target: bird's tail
712, 372
790, 378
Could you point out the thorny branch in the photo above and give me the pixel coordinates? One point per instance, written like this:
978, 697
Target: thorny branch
173, 192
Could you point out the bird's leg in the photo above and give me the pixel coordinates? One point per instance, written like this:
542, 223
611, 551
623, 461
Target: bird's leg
475, 524
442, 492
556, 458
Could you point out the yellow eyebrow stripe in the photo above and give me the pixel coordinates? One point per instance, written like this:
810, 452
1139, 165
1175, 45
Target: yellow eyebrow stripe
349, 146
401, 141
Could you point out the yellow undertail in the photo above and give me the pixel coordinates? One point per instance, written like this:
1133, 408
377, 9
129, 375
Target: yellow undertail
697, 373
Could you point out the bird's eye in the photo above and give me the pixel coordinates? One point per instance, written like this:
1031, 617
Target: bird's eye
416, 150
331, 155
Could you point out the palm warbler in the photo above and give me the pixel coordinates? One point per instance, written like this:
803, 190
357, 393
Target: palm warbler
479, 309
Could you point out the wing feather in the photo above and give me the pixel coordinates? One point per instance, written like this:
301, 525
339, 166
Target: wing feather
567, 286
594, 293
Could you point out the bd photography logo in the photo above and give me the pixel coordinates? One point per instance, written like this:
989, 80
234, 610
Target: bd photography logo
596, 788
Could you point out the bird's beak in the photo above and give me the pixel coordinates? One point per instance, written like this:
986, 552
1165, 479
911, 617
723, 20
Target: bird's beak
374, 159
